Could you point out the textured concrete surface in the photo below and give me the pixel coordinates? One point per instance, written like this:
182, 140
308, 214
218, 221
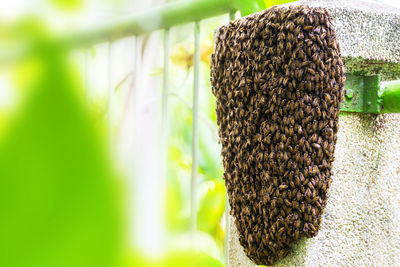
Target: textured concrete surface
366, 30
368, 33
360, 226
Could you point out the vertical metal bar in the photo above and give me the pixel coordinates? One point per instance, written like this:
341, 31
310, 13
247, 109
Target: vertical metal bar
232, 15
195, 133
164, 123
227, 208
227, 229
164, 110
86, 75
110, 92
136, 184
136, 87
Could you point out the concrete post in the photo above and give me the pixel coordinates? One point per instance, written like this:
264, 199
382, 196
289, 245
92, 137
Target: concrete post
360, 225
361, 222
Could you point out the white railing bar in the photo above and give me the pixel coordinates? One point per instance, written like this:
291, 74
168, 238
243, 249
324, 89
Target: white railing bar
109, 91
164, 116
227, 208
195, 133
136, 86
86, 75
135, 185
232, 15
164, 102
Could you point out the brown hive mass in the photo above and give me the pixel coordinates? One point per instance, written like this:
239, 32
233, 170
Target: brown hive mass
278, 78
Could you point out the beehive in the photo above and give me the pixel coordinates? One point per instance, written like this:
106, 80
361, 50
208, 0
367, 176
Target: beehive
278, 78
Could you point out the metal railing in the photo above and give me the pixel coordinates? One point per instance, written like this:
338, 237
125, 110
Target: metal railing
163, 18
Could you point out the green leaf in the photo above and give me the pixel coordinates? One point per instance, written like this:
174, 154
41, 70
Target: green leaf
212, 207
67, 5
191, 259
210, 163
157, 71
270, 3
58, 195
175, 219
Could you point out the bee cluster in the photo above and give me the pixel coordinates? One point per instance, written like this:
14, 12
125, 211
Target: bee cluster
278, 78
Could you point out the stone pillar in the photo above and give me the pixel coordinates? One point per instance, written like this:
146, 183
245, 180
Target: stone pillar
361, 222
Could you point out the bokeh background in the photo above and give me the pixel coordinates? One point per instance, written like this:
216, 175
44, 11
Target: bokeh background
82, 175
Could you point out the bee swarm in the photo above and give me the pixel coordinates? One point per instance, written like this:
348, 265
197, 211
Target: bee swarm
278, 79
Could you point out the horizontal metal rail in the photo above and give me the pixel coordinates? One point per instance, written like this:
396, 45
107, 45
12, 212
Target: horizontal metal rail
368, 94
389, 97
162, 17
195, 134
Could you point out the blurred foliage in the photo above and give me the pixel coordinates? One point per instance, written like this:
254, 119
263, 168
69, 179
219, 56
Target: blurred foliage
181, 56
58, 190
269, 3
67, 5
182, 259
211, 189
59, 197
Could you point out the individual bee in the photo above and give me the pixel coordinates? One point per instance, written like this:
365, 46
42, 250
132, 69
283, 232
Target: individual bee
315, 145
307, 28
298, 196
302, 207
